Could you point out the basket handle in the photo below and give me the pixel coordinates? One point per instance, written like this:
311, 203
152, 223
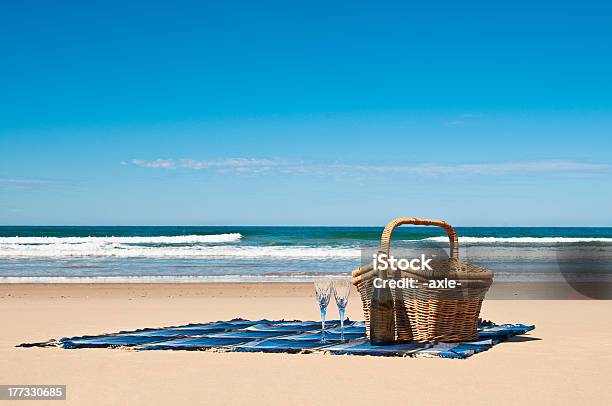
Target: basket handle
385, 238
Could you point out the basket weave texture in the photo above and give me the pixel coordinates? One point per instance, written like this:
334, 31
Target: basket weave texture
427, 314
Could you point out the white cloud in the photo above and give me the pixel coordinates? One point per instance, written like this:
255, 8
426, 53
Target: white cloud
456, 122
17, 183
24, 181
230, 163
158, 163
260, 166
495, 168
227, 165
467, 118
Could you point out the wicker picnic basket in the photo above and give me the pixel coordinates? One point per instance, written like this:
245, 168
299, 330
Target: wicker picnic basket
430, 314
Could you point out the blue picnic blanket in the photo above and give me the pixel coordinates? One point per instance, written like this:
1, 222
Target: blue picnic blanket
282, 336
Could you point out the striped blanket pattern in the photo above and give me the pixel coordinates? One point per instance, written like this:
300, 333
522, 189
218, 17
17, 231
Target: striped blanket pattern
280, 336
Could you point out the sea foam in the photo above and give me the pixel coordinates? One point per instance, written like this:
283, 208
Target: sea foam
175, 239
520, 240
187, 246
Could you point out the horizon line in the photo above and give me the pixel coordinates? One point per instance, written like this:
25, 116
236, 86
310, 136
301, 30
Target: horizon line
288, 225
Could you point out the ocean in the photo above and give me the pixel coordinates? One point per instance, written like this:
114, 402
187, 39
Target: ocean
234, 254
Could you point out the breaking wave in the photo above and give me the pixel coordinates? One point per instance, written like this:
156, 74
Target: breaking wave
177, 239
188, 246
521, 240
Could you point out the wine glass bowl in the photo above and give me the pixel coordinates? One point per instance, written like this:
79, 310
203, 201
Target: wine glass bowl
323, 292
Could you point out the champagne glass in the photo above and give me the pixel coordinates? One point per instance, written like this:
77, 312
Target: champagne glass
342, 289
323, 288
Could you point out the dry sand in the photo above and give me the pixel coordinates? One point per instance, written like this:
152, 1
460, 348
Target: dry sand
566, 360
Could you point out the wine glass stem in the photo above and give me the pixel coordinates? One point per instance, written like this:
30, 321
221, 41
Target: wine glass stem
323, 311
341, 309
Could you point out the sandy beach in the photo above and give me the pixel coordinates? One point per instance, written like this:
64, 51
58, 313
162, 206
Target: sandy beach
566, 360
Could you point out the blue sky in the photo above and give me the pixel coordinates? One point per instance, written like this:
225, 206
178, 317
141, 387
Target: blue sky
315, 113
